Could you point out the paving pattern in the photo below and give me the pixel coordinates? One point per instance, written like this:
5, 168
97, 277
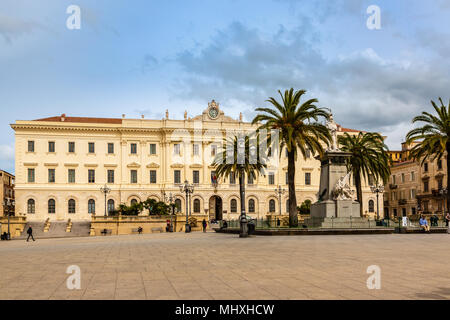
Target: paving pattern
222, 266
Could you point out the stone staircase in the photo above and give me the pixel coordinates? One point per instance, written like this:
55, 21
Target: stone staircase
80, 229
58, 229
38, 230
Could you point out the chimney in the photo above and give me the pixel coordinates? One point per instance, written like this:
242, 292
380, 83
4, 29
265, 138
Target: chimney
123, 116
142, 116
63, 117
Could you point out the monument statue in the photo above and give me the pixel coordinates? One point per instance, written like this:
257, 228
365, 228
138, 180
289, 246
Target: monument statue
333, 128
342, 190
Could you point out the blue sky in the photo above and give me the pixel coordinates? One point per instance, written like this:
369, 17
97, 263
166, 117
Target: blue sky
142, 57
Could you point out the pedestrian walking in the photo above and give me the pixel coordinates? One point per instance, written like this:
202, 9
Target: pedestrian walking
30, 233
447, 219
205, 224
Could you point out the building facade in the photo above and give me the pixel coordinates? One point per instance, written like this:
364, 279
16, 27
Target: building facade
7, 193
415, 188
62, 162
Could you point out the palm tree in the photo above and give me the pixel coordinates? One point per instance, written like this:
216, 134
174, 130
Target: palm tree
300, 132
237, 160
369, 157
433, 138
149, 204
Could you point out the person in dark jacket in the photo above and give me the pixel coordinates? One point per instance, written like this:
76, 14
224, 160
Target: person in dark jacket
204, 224
30, 233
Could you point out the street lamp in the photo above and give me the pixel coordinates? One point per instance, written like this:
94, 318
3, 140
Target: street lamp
444, 192
187, 189
105, 190
171, 203
8, 203
377, 189
279, 191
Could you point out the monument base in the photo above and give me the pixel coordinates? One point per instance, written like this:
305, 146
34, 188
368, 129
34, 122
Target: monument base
335, 208
340, 223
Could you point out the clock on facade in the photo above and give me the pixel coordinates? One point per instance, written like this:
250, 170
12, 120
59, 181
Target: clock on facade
213, 112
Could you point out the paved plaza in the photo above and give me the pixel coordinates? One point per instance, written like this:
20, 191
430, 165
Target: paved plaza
222, 266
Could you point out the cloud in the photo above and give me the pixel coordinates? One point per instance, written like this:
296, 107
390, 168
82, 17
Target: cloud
364, 90
7, 153
12, 28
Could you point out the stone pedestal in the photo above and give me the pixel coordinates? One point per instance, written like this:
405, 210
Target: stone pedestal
333, 167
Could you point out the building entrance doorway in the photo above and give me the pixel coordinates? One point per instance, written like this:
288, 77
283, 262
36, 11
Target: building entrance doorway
215, 208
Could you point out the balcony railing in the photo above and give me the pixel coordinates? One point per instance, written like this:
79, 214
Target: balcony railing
393, 186
402, 202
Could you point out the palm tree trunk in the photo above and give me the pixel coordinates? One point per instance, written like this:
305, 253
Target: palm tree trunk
447, 148
293, 218
359, 192
243, 220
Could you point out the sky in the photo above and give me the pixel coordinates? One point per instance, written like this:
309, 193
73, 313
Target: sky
142, 57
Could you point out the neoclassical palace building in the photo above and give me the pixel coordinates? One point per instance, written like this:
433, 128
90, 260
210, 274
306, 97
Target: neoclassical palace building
62, 163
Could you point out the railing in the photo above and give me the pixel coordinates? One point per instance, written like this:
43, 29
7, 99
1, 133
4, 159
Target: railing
320, 223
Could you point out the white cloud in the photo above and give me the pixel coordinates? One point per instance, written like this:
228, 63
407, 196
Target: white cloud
6, 152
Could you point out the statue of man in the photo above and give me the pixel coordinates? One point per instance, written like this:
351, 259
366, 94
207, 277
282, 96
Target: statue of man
332, 126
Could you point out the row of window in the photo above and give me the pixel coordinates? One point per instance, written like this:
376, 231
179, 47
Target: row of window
134, 148
438, 163
71, 174
411, 195
412, 177
91, 147
71, 206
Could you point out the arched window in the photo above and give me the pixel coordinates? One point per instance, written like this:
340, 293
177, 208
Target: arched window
251, 206
233, 206
111, 206
134, 201
196, 206
371, 206
71, 206
51, 206
91, 206
31, 206
272, 206
178, 205
287, 205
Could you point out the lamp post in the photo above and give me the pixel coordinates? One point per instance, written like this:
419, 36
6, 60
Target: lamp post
377, 189
105, 190
171, 202
444, 193
279, 191
187, 189
8, 204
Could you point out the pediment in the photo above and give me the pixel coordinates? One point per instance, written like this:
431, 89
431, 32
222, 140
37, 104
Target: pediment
153, 165
134, 165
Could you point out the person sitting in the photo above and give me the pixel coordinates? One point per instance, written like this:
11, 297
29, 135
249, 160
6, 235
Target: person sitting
225, 224
424, 224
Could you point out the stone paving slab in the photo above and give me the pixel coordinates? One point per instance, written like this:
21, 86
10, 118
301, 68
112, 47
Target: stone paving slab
221, 266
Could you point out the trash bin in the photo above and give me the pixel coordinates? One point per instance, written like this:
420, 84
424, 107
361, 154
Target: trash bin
251, 228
